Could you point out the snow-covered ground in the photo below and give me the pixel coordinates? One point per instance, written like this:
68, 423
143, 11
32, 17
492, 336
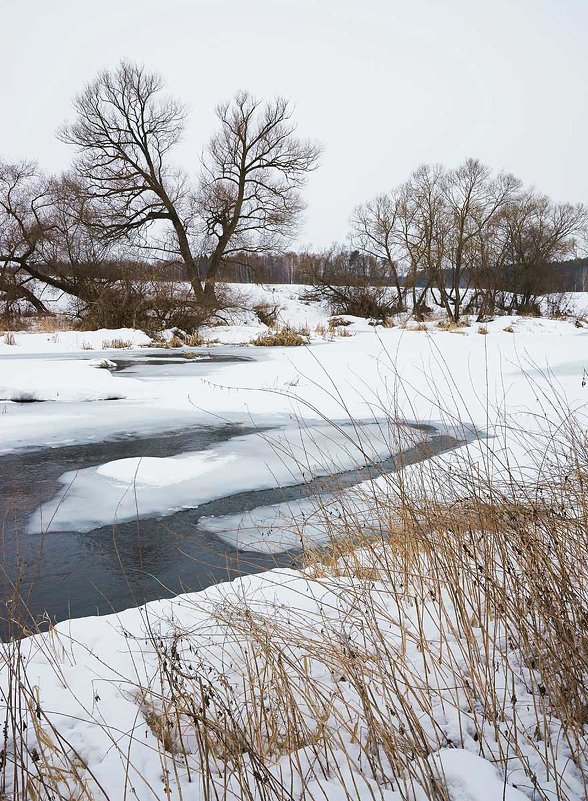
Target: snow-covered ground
100, 686
466, 382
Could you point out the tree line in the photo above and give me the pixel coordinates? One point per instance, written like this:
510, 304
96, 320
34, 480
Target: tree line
124, 217
465, 239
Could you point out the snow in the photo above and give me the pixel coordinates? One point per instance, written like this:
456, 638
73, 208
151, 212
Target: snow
94, 673
304, 402
58, 380
126, 488
73, 341
469, 777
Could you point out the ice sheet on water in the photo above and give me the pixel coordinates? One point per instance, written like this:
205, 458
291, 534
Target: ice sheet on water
126, 488
58, 380
275, 528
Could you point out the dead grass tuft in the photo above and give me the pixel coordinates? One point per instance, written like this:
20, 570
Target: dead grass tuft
116, 344
51, 323
286, 336
267, 313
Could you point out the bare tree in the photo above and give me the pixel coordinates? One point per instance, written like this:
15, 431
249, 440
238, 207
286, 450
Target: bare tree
424, 227
376, 231
24, 200
537, 232
474, 199
125, 130
253, 169
48, 238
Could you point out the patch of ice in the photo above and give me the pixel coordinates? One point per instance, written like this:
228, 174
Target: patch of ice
154, 471
122, 489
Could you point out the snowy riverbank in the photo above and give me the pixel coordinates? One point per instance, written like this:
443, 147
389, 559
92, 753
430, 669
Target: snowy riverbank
101, 682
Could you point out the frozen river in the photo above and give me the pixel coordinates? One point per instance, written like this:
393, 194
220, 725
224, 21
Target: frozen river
92, 555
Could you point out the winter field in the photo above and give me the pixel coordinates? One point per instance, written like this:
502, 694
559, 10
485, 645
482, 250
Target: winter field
429, 640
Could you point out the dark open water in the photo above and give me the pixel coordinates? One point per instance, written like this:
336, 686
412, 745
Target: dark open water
66, 574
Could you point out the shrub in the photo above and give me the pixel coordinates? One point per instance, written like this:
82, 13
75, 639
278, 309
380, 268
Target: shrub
50, 323
371, 302
152, 306
267, 313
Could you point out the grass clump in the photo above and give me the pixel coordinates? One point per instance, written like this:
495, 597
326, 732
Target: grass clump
285, 336
116, 344
339, 327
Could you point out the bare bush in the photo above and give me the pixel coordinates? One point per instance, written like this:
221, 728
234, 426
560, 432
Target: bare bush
350, 284
267, 313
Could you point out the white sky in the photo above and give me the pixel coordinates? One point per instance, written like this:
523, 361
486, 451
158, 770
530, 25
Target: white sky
384, 85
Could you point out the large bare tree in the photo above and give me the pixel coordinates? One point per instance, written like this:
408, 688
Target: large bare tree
125, 130
253, 169
247, 199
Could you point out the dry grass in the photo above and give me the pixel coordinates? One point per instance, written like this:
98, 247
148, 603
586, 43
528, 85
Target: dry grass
9, 339
116, 344
285, 336
338, 322
193, 340
338, 327
450, 325
482, 329
173, 342
49, 324
449, 611
38, 323
268, 313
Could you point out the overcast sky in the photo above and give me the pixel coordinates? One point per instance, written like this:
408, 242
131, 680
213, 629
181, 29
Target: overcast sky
384, 85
